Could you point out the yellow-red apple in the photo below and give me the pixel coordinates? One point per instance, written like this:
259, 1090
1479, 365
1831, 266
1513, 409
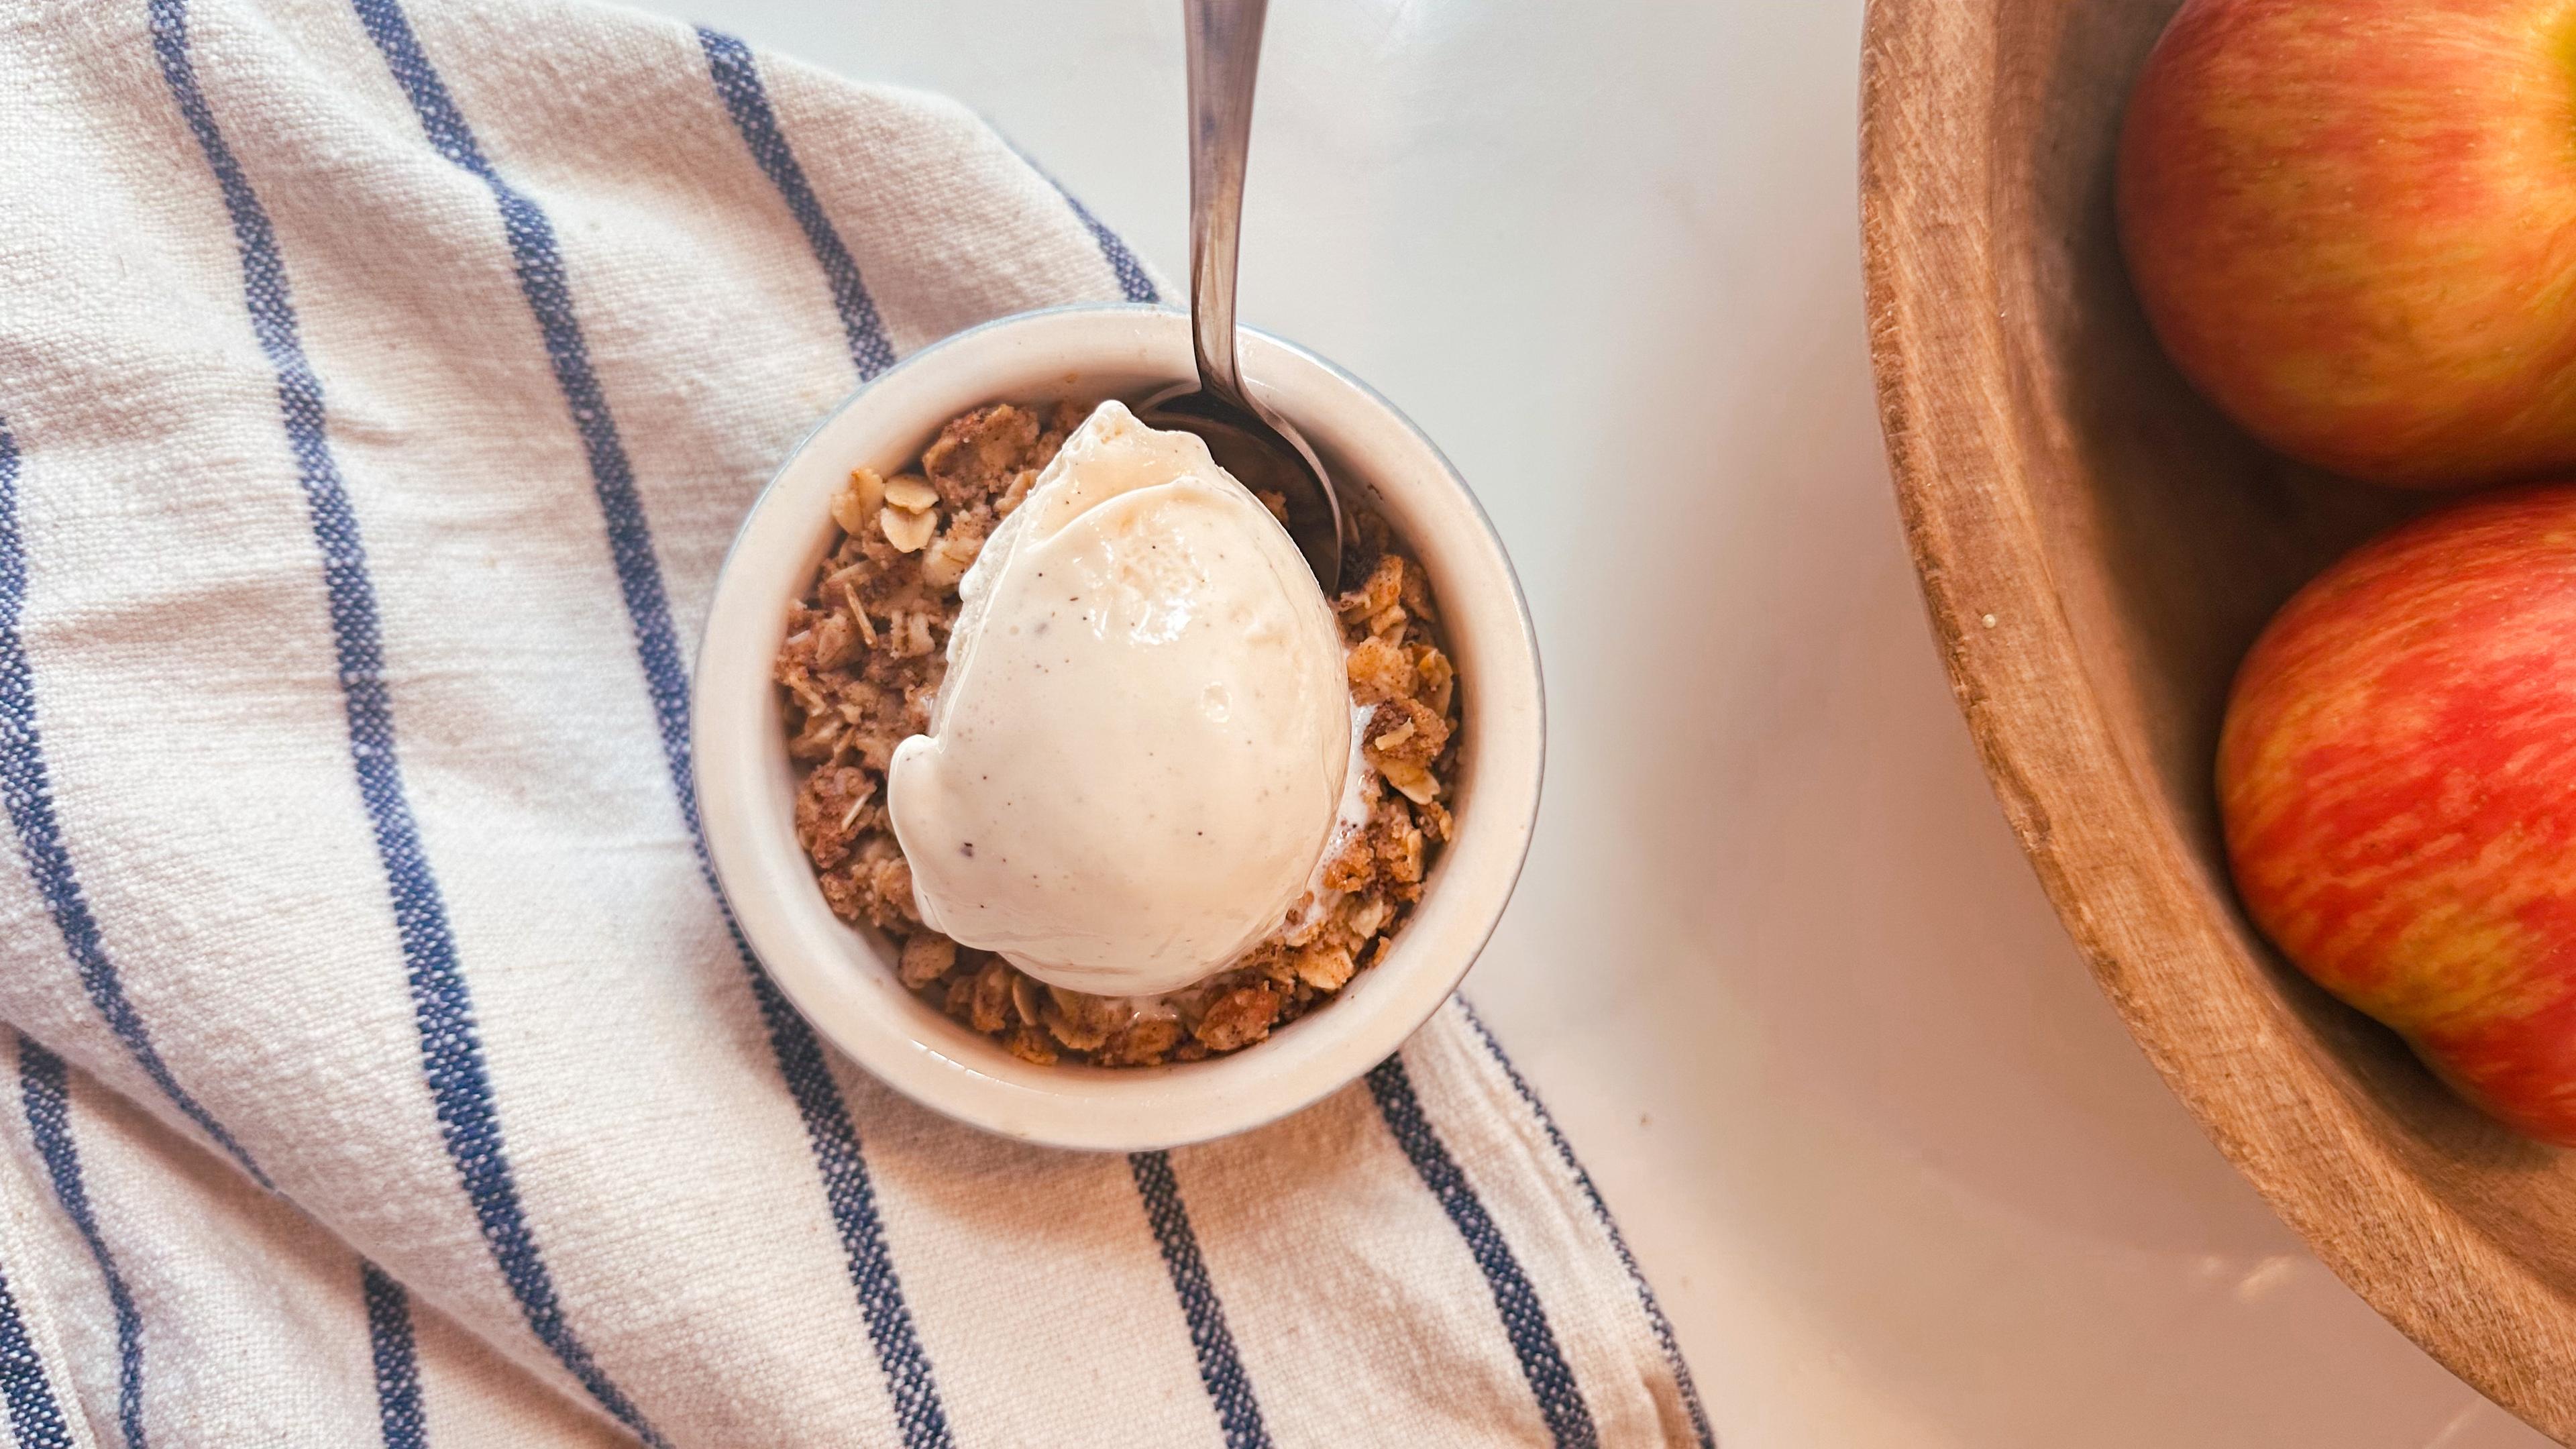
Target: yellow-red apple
2397, 778
2353, 225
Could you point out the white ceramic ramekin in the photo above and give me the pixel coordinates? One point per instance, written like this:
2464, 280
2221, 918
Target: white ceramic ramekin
842, 978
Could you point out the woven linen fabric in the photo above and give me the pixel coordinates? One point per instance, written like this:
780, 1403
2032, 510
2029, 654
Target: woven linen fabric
380, 385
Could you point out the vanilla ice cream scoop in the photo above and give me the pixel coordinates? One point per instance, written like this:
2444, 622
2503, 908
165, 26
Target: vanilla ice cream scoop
1139, 752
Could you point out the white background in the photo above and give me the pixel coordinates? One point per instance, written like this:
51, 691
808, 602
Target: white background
1893, 1166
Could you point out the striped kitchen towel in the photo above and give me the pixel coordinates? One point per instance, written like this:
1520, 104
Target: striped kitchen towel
380, 384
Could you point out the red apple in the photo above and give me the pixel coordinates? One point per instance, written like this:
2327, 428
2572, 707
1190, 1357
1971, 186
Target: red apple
2397, 778
2353, 225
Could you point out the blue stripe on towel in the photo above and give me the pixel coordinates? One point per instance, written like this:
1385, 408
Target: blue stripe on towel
1132, 281
1229, 1389
35, 1419
918, 1411
44, 1088
1122, 263
1655, 1320
451, 1046
1560, 1401
389, 1337
737, 81
736, 74
27, 788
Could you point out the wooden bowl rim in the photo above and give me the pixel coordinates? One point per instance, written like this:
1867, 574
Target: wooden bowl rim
2118, 875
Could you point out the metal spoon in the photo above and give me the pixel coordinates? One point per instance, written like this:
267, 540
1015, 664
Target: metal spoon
1248, 440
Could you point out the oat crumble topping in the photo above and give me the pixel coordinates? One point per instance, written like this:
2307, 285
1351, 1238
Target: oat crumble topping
865, 652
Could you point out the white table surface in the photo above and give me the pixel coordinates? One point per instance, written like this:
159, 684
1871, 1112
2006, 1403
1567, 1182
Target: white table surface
1894, 1168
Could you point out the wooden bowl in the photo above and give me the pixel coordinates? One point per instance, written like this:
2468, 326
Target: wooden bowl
2098, 547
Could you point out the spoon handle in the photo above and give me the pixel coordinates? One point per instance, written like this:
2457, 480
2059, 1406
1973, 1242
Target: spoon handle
1225, 58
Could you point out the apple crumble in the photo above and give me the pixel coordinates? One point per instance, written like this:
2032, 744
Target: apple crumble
865, 652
